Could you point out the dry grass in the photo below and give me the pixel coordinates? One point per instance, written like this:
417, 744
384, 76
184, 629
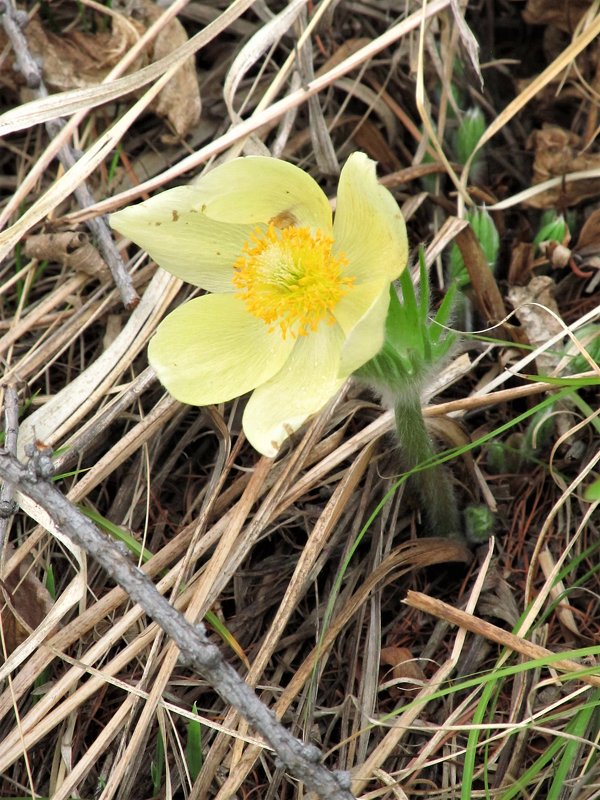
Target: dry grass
303, 564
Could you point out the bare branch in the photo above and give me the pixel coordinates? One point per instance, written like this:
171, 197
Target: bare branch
11, 429
302, 760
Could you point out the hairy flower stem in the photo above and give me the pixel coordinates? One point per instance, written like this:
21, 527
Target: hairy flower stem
433, 483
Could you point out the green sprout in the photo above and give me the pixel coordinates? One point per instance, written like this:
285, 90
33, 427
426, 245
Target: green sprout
479, 523
413, 342
468, 134
487, 234
553, 228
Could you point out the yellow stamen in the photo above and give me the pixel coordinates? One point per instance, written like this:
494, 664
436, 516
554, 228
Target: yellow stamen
290, 278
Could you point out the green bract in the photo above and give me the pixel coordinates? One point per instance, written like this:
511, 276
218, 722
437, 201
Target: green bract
413, 342
299, 301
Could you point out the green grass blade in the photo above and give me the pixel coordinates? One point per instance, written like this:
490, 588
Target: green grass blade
193, 748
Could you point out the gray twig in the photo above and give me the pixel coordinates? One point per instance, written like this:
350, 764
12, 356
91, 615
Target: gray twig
12, 21
11, 424
302, 760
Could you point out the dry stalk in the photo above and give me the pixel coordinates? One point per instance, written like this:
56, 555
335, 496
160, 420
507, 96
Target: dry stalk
487, 630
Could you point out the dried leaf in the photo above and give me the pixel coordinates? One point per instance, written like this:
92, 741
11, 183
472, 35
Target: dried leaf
265, 37
487, 294
179, 102
403, 663
24, 603
521, 263
589, 236
469, 41
558, 593
405, 671
530, 303
77, 59
558, 152
71, 248
369, 138
562, 15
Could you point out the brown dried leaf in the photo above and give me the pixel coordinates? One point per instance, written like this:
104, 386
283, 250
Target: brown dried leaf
405, 670
562, 15
77, 59
70, 248
370, 140
557, 152
488, 297
179, 102
24, 603
402, 662
530, 303
521, 263
346, 49
589, 237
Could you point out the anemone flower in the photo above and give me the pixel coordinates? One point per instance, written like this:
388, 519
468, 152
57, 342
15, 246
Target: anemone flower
296, 302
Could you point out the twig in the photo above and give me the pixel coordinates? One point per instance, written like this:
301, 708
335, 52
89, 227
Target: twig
481, 627
11, 424
12, 21
302, 760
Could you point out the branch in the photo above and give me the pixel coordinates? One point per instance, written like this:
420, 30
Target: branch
12, 21
11, 426
302, 760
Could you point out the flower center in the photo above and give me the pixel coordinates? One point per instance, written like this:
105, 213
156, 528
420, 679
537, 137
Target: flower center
290, 278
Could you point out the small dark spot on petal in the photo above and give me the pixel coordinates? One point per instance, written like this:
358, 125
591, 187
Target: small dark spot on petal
175, 216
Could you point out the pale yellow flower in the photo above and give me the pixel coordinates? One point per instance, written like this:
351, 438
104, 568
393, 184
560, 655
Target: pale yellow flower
297, 302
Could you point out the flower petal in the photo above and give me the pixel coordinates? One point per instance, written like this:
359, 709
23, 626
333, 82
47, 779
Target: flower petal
365, 339
301, 388
368, 227
184, 240
210, 350
261, 189
353, 306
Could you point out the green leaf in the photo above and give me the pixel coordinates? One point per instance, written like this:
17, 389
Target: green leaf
157, 765
479, 522
486, 232
130, 542
50, 582
589, 337
193, 748
553, 229
592, 492
470, 131
413, 342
